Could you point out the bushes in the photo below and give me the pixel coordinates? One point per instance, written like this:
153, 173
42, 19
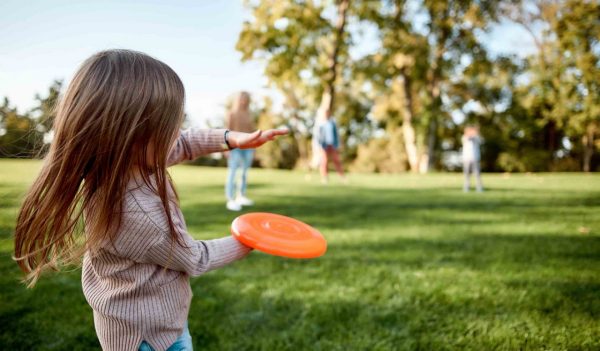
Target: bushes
382, 155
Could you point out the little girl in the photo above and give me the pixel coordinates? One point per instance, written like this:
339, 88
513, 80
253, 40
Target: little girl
116, 132
471, 156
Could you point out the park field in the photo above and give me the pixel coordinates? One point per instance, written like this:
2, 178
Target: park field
413, 263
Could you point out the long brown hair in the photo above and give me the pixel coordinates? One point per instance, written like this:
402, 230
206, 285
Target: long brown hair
121, 112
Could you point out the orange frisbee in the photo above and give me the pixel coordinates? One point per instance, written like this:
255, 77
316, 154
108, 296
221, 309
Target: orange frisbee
278, 235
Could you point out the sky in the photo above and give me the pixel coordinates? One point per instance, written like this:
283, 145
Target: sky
47, 40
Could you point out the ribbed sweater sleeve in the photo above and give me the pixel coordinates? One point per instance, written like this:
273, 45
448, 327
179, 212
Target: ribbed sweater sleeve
145, 238
193, 143
195, 257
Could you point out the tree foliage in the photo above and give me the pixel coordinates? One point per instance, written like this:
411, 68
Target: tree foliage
431, 73
402, 104
22, 134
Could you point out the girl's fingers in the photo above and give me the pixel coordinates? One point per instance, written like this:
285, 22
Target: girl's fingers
277, 132
272, 133
259, 137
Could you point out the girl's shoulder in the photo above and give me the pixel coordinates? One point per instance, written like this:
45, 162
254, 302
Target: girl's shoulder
140, 197
144, 208
141, 200
143, 223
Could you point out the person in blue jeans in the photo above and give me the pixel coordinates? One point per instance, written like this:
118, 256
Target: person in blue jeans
239, 120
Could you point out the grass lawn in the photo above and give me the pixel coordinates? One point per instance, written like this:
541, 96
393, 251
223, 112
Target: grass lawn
413, 264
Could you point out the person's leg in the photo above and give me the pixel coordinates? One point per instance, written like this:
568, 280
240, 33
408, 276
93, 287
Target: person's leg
467, 182
477, 173
335, 155
246, 163
324, 164
248, 156
232, 164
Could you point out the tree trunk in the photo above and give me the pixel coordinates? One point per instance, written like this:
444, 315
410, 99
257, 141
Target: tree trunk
431, 141
408, 131
427, 161
327, 100
300, 140
588, 147
434, 75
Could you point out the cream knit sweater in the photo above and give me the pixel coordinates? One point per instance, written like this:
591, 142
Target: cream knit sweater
133, 296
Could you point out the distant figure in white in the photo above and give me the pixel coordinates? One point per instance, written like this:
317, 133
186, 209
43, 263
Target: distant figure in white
471, 157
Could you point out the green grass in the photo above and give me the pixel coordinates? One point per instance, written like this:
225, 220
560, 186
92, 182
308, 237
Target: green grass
412, 264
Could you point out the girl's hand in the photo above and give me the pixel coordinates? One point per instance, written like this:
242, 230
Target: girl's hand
241, 140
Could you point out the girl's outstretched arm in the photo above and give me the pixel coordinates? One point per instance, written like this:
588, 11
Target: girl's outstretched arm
253, 140
193, 143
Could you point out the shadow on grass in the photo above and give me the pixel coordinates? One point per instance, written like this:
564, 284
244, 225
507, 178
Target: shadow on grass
403, 294
358, 296
363, 208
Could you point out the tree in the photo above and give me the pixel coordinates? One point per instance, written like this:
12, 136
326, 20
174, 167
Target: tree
578, 34
45, 111
451, 32
563, 88
418, 65
396, 75
337, 42
303, 49
289, 38
428, 67
19, 137
22, 135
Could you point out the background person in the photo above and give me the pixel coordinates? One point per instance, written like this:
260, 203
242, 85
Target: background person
239, 120
328, 140
471, 156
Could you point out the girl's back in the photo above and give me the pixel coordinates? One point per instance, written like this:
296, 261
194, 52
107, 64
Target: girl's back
138, 286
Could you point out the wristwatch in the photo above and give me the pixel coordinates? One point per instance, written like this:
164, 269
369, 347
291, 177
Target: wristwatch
226, 138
